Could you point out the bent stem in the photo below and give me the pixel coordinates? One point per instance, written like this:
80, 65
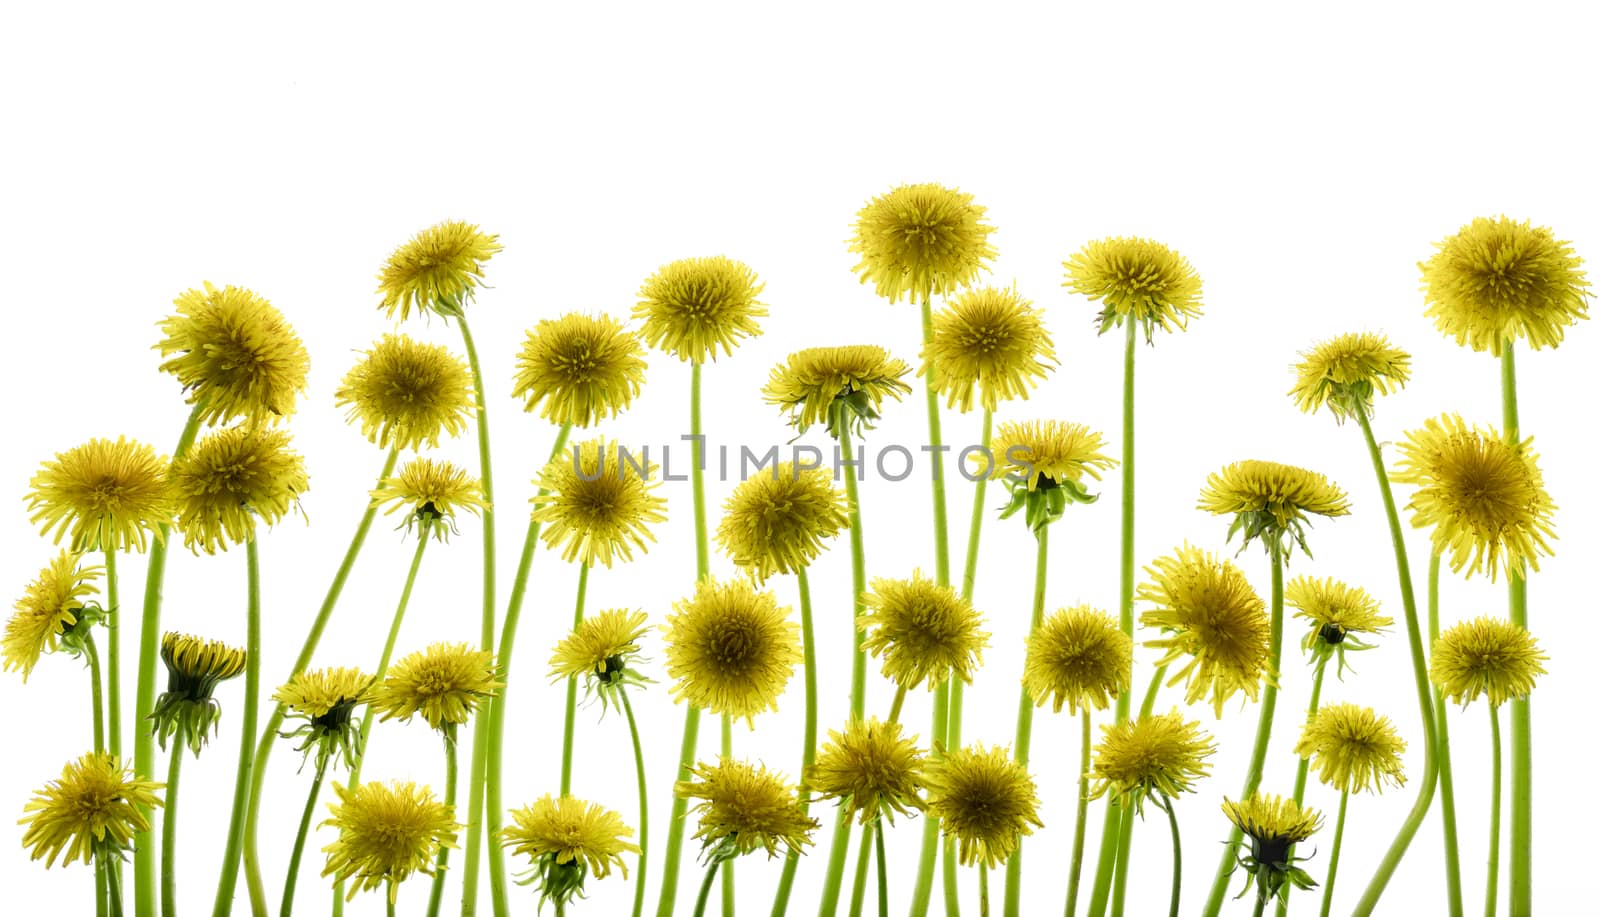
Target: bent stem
1041, 563
1081, 817
808, 748
1302, 769
569, 722
96, 702
1165, 804
644, 804
705, 889
1521, 711
1491, 894
858, 890
436, 893
169, 831
1447, 792
1333, 857
293, 877
223, 906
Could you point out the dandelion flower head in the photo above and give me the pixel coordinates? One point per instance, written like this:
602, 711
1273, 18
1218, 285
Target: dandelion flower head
1136, 280
1274, 825
918, 241
1346, 372
567, 839
49, 609
987, 346
235, 355
777, 523
984, 800
387, 831
743, 807
232, 478
91, 810
1268, 500
431, 493
437, 270
925, 632
730, 648
1046, 464
1352, 748
579, 369
1207, 611
1339, 614
405, 393
443, 683
104, 494
325, 700
693, 306
872, 768
598, 502
842, 387
603, 650
1158, 755
1493, 657
1077, 657
195, 666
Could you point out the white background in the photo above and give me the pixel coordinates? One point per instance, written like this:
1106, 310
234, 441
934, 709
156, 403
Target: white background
1303, 161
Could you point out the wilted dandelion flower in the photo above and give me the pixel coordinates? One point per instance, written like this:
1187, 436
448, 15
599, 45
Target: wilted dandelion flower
1136, 279
105, 494
232, 478
405, 393
1208, 612
693, 306
1077, 657
776, 523
444, 683
437, 270
921, 240
235, 354
49, 610
1490, 656
1274, 825
430, 493
731, 648
1268, 500
601, 501
1499, 280
1352, 748
91, 810
1337, 612
842, 387
566, 839
1162, 754
1045, 464
871, 768
579, 369
1345, 373
984, 800
1484, 498
989, 345
326, 700
925, 632
387, 831
744, 807
195, 666
602, 650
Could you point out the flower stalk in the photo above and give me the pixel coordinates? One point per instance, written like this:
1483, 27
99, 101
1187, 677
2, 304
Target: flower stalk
1333, 855
1024, 740
292, 878
1447, 792
247, 732
569, 719
808, 748
436, 889
1521, 715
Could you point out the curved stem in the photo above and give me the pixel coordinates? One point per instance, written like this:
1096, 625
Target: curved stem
883, 871
644, 804
1303, 768
1080, 819
286, 908
570, 720
223, 907
1119, 884
705, 890
858, 889
1165, 805
898, 703
96, 702
169, 831
1333, 857
1149, 703
1491, 894
1521, 711
436, 892
808, 748
1447, 783
1041, 566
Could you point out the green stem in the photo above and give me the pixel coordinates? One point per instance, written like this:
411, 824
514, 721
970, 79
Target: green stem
1302, 770
1261, 903
858, 578
1041, 567
269, 735
727, 868
102, 907
436, 893
293, 877
114, 892
1491, 894
838, 853
113, 652
858, 890
1080, 820
1149, 703
1119, 884
169, 831
1177, 857
1521, 711
883, 870
644, 804
808, 748
96, 702
1447, 791
922, 891
1419, 671
569, 722
898, 703
226, 884
675, 824
697, 478
1333, 857
983, 890
705, 890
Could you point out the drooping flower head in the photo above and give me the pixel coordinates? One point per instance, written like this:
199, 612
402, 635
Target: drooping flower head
1045, 464
51, 610
1346, 372
918, 241
326, 699
603, 650
230, 479
430, 493
744, 807
444, 683
1499, 280
1493, 657
579, 369
1136, 280
989, 345
925, 632
437, 270
693, 306
872, 768
387, 831
405, 393
777, 523
1352, 748
1268, 500
103, 494
598, 501
235, 355
1207, 611
91, 810
195, 666
1077, 657
1484, 498
730, 648
1159, 755
566, 839
841, 387
1338, 614
1274, 825
984, 800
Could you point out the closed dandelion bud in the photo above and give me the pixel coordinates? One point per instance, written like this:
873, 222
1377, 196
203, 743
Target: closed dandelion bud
436, 271
194, 669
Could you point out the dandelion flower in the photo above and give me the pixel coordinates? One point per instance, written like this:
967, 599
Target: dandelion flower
1337, 612
232, 478
437, 270
731, 648
1208, 612
922, 240
871, 768
387, 831
405, 393
195, 667
842, 387
326, 700
600, 503
49, 609
1345, 373
1352, 748
1045, 464
1136, 279
567, 839
431, 493
1499, 280
235, 354
91, 810
1077, 657
602, 650
443, 683
1489, 656
989, 345
579, 369
743, 807
1274, 824
1484, 498
1268, 500
776, 523
925, 632
983, 799
1161, 754
105, 494
691, 307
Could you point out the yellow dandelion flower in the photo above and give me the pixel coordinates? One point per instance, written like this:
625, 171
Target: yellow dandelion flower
600, 503
48, 611
691, 307
405, 393
871, 768
602, 650
1208, 612
444, 683
921, 240
1268, 500
437, 270
1345, 373
567, 839
1493, 657
925, 632
1483, 497
1136, 279
731, 648
235, 355
1352, 748
579, 369
989, 345
195, 666
1499, 280
842, 387
91, 810
431, 493
1338, 614
1162, 754
1045, 464
326, 700
104, 494
983, 799
777, 523
1274, 825
387, 831
230, 479
1077, 657
744, 807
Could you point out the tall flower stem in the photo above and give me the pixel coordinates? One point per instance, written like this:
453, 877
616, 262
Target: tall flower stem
858, 889
569, 723
223, 907
114, 892
883, 870
1419, 671
269, 735
728, 899
286, 908
436, 892
1258, 752
838, 853
1119, 885
705, 889
808, 748
1080, 819
102, 907
113, 651
169, 831
644, 805
144, 737
1041, 566
839, 847
1165, 805
1447, 783
1491, 894
1333, 856
1303, 769
96, 701
1521, 711
983, 890
493, 816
